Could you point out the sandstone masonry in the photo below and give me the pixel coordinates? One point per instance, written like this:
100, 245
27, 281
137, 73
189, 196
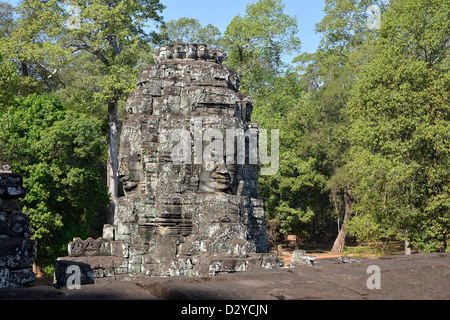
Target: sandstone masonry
17, 251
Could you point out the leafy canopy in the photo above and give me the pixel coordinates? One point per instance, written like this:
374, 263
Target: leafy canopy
399, 133
189, 30
256, 42
60, 155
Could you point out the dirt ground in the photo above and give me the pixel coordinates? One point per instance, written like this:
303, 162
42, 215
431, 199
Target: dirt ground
401, 277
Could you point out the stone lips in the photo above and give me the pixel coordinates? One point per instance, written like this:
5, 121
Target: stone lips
17, 251
182, 218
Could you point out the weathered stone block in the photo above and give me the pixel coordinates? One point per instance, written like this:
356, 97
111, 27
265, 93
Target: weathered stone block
151, 270
180, 267
5, 167
14, 224
4, 278
9, 206
134, 268
120, 249
21, 278
108, 232
11, 186
16, 253
148, 259
136, 254
214, 264
62, 275
89, 247
299, 258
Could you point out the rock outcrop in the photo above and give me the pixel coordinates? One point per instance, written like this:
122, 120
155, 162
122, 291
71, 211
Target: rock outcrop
189, 172
17, 251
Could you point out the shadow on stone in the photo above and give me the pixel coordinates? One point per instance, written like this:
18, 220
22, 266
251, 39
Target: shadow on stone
77, 273
17, 251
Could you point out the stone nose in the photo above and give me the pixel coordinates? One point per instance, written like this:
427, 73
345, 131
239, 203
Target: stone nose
222, 169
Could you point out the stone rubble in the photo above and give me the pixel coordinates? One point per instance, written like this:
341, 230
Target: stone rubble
299, 258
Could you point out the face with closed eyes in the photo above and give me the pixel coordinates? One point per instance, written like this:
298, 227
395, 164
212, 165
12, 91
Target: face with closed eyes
130, 173
216, 177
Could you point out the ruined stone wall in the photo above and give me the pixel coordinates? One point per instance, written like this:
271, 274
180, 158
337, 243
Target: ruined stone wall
17, 251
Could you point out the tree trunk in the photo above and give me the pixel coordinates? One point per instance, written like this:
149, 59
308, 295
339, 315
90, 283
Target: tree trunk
279, 250
24, 69
297, 240
113, 161
338, 246
444, 249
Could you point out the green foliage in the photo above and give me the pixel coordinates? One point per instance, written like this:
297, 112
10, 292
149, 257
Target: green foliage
399, 133
8, 83
52, 54
255, 43
82, 73
294, 196
189, 30
114, 33
367, 112
345, 23
6, 19
34, 43
60, 155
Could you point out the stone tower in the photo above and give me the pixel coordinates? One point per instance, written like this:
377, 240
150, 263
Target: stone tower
189, 175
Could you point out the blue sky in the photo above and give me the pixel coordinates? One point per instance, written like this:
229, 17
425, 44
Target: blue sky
220, 14
308, 13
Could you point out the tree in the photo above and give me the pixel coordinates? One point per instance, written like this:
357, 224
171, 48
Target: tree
61, 155
329, 74
32, 44
294, 196
340, 186
82, 77
8, 83
6, 19
112, 31
399, 133
256, 42
345, 24
189, 30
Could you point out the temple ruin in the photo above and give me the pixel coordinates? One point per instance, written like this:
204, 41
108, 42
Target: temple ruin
17, 250
191, 205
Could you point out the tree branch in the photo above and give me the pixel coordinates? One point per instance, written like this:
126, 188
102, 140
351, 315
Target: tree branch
113, 43
89, 49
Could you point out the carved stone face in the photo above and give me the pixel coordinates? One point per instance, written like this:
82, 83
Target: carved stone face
192, 52
130, 173
216, 177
